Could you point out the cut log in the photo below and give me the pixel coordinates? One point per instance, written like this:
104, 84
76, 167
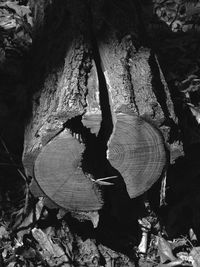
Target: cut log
86, 74
136, 150
59, 174
65, 87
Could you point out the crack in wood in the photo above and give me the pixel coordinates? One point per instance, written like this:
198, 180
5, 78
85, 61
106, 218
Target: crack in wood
106, 127
128, 78
59, 170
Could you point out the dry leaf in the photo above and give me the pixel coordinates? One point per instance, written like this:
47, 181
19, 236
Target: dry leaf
12, 264
195, 253
171, 264
192, 235
164, 250
61, 213
3, 232
51, 252
184, 256
25, 225
142, 248
195, 112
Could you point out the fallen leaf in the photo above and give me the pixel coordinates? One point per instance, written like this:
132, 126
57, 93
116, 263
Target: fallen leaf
18, 9
171, 264
61, 213
184, 256
24, 226
12, 264
195, 253
164, 250
3, 232
52, 252
195, 112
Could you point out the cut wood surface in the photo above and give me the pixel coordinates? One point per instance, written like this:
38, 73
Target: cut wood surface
85, 74
135, 147
59, 174
136, 150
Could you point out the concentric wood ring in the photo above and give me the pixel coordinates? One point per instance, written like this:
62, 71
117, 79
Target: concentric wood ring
136, 150
59, 174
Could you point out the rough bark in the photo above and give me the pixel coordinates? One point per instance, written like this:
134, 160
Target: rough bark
89, 65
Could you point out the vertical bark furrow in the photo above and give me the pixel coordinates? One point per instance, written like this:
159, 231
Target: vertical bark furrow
115, 72
104, 74
128, 76
141, 78
135, 148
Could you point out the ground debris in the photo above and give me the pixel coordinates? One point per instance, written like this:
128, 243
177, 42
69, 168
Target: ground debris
167, 253
51, 252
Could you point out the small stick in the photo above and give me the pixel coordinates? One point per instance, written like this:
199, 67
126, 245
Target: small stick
12, 160
19, 171
9, 164
163, 190
145, 227
107, 178
101, 181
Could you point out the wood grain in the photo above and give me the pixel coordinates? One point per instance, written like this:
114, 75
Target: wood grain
59, 174
136, 150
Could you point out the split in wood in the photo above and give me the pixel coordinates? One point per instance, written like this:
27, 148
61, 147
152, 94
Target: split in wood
136, 150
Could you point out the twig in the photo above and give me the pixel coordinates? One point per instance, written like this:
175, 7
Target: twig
9, 164
107, 178
187, 240
12, 160
163, 190
19, 171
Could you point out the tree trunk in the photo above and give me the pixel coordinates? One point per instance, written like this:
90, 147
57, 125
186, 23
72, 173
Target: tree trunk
100, 108
92, 77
